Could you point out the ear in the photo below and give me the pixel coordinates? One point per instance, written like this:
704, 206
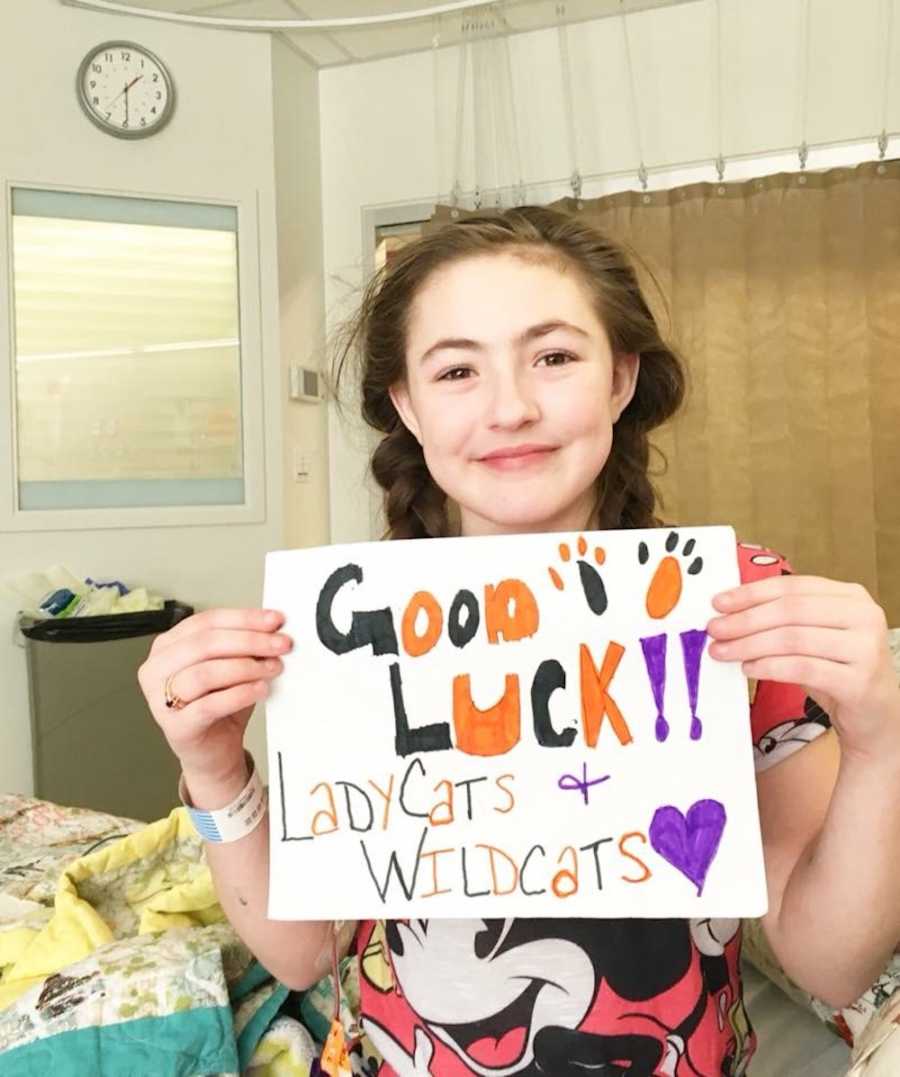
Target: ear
624, 382
400, 398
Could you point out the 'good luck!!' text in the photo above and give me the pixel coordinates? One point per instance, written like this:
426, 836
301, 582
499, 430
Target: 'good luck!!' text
510, 612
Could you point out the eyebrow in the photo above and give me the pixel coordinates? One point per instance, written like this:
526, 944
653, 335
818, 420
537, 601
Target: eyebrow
531, 333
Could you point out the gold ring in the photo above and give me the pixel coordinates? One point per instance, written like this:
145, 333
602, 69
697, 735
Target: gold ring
173, 701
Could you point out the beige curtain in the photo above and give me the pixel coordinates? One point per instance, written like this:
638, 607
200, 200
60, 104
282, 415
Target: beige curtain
783, 295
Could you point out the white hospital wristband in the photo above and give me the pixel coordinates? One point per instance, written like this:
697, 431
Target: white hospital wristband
235, 821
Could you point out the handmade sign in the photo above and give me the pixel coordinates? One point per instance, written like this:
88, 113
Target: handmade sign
510, 726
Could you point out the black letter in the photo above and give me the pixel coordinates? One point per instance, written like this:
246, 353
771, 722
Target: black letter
550, 676
481, 893
427, 738
468, 782
394, 866
530, 893
419, 763
593, 845
460, 634
284, 834
375, 627
347, 787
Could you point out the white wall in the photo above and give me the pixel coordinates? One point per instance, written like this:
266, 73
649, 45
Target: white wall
378, 146
218, 145
388, 127
301, 288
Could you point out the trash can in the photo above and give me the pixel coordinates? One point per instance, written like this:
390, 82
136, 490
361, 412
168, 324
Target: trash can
94, 742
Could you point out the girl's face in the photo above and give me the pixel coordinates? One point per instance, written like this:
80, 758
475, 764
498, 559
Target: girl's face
512, 391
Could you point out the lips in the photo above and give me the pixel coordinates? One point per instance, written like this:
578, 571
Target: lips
520, 458
516, 452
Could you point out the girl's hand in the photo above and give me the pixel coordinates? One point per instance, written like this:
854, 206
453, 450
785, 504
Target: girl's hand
218, 665
828, 637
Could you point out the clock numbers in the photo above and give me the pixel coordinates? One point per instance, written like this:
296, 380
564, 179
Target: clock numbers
125, 90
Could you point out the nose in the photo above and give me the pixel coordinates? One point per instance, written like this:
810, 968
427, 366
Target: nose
513, 403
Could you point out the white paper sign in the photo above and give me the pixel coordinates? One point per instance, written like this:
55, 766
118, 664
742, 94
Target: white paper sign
512, 726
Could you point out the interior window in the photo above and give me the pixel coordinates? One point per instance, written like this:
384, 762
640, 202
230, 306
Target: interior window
127, 352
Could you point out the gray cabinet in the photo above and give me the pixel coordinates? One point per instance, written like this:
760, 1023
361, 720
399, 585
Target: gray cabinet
94, 742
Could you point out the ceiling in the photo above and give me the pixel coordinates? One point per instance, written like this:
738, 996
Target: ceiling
358, 44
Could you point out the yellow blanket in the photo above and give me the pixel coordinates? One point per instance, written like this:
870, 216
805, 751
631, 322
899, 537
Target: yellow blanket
148, 881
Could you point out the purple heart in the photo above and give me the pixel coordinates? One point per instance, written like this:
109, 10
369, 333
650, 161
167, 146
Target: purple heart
689, 843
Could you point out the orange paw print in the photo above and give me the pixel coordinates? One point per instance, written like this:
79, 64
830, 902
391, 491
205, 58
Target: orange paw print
591, 582
667, 582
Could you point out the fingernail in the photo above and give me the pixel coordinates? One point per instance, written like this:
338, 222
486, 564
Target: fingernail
271, 664
272, 617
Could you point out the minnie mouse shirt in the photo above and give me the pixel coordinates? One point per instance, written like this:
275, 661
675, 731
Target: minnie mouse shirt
566, 997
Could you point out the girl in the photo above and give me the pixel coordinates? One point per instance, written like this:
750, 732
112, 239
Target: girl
514, 369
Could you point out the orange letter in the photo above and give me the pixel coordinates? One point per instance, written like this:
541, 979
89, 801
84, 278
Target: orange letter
596, 702
329, 813
491, 850
490, 732
569, 878
509, 793
631, 856
387, 799
448, 804
413, 644
521, 622
435, 853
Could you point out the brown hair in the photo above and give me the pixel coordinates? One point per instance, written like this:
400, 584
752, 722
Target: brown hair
414, 505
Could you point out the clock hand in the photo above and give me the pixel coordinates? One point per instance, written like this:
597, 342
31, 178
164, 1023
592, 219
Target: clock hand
125, 91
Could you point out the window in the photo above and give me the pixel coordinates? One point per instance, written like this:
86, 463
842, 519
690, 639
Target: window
393, 237
127, 352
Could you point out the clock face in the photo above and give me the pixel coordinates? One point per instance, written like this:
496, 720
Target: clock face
125, 90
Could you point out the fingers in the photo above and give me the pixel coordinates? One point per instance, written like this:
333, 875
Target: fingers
199, 716
814, 674
219, 619
215, 652
219, 643
195, 681
813, 610
834, 644
775, 587
219, 664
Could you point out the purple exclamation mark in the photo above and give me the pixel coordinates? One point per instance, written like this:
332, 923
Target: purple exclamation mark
654, 648
692, 644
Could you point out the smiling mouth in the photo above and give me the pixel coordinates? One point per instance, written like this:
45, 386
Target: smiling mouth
500, 1040
515, 461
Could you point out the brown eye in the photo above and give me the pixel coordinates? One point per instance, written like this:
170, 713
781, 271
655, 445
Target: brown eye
457, 373
556, 358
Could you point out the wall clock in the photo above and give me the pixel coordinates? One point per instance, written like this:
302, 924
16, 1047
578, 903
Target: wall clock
125, 89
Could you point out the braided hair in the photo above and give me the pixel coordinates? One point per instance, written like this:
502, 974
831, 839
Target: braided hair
415, 507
